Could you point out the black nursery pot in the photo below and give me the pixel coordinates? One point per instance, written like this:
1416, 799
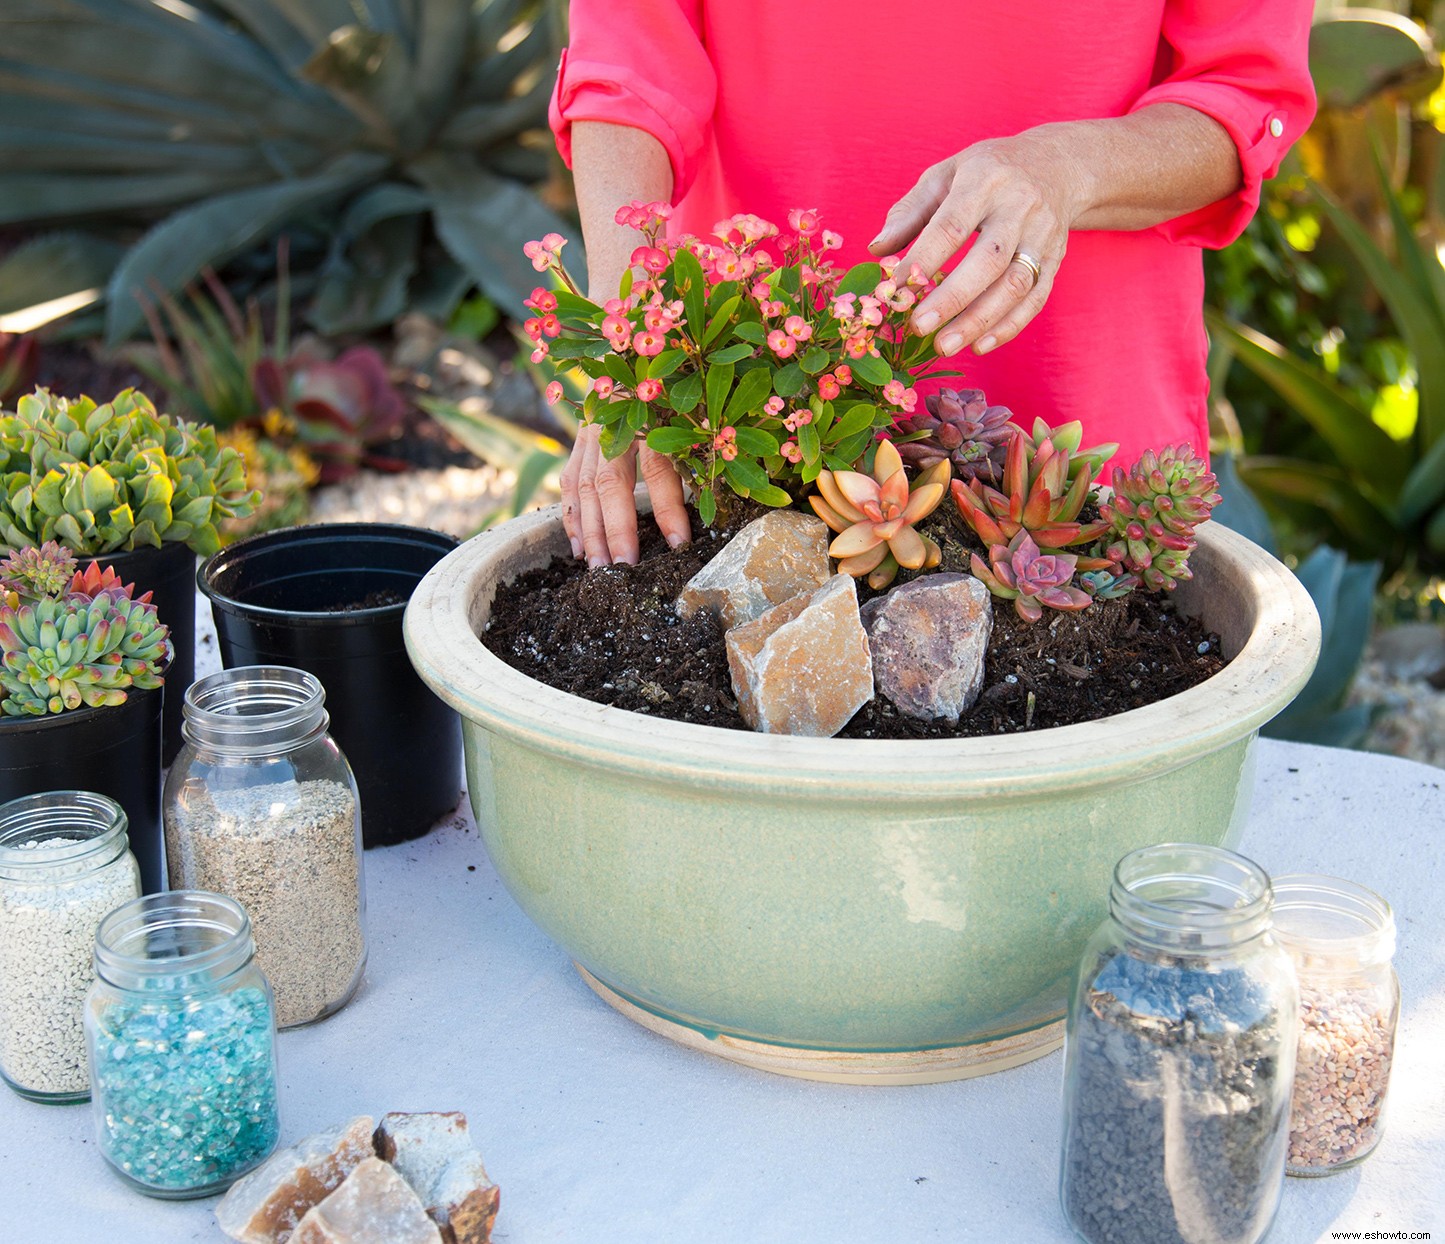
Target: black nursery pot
170, 573
299, 597
112, 750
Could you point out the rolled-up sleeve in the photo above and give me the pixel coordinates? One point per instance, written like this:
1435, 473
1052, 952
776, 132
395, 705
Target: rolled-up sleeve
1246, 64
639, 63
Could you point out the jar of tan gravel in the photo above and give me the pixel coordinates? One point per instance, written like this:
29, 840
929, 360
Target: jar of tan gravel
261, 806
1342, 939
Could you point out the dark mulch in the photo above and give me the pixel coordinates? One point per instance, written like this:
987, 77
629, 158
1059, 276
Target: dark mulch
610, 635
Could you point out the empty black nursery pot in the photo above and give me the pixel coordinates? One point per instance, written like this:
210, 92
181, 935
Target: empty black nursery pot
169, 573
114, 750
302, 597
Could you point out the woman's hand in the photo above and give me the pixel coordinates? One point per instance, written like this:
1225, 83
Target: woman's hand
1020, 195
598, 509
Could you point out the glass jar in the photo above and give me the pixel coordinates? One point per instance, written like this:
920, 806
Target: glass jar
65, 864
1341, 937
1179, 1056
182, 1040
261, 805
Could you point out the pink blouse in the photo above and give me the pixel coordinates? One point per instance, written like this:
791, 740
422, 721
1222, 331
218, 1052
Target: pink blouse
839, 105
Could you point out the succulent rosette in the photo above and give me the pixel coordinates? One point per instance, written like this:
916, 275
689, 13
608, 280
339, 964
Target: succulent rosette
1032, 579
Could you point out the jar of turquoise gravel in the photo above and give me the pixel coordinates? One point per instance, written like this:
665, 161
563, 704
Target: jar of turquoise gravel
181, 1034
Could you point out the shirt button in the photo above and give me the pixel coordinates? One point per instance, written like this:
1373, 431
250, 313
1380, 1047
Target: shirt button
1276, 126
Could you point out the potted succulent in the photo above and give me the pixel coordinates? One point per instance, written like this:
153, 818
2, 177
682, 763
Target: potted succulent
137, 490
882, 911
82, 660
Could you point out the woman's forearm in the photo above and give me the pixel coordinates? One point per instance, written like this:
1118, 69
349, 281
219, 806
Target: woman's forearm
1140, 170
613, 165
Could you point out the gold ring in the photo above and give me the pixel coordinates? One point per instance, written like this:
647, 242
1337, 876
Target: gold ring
1030, 263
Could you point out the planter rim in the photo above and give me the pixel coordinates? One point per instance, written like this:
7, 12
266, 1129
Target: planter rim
1263, 677
357, 535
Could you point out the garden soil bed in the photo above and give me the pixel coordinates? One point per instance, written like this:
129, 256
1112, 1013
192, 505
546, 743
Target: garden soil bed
610, 635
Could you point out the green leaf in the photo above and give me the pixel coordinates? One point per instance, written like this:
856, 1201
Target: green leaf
684, 394
1361, 447
808, 442
693, 285
636, 416
862, 278
619, 369
719, 321
815, 361
851, 449
732, 354
857, 418
1325, 487
745, 475
674, 440
771, 495
789, 381
757, 442
583, 348
753, 390
664, 364
614, 440
54, 266
706, 506
872, 369
750, 331
719, 383
1425, 485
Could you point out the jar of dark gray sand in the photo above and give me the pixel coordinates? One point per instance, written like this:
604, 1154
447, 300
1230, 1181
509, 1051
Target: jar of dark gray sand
1179, 1056
65, 864
261, 805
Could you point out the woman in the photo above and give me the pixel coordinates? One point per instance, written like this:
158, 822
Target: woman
989, 137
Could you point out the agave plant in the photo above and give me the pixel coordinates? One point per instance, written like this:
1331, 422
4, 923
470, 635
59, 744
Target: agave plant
1045, 484
1151, 516
228, 120
119, 476
81, 647
961, 426
1034, 580
875, 516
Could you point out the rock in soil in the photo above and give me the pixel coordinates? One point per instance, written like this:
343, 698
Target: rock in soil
611, 635
773, 559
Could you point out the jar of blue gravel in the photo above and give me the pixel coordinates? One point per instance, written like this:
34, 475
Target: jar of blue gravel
1179, 1056
181, 1035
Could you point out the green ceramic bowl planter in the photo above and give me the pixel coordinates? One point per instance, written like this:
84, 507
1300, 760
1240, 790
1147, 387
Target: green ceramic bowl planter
844, 909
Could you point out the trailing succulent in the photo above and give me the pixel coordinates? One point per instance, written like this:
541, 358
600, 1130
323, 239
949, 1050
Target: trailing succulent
80, 644
875, 516
115, 477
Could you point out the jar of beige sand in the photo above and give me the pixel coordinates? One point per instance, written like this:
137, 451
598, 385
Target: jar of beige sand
261, 806
1342, 939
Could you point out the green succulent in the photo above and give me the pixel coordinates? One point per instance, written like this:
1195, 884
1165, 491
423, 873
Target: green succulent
1150, 519
29, 574
84, 648
115, 477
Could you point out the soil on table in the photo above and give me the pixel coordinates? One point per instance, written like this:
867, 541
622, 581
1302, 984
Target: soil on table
610, 635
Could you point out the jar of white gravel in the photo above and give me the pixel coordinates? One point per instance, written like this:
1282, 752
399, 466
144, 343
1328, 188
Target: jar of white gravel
65, 864
261, 806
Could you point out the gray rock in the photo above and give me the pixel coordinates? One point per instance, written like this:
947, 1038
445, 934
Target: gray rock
928, 639
1411, 650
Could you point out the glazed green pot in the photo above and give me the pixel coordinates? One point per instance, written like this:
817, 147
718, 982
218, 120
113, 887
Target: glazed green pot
835, 908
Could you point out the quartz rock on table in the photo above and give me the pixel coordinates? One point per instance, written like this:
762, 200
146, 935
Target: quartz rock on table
771, 560
265, 1206
803, 667
374, 1205
434, 1153
928, 638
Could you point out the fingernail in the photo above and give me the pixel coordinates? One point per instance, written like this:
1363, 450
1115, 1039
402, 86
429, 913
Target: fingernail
594, 562
926, 322
676, 539
878, 239
984, 344
951, 344
576, 548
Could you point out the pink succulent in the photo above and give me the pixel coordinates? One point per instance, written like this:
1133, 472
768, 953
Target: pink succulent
1033, 580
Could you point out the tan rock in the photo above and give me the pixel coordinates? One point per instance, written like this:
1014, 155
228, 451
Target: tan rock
803, 667
373, 1205
928, 639
434, 1153
265, 1206
769, 561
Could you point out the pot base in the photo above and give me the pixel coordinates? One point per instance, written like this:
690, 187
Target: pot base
956, 1062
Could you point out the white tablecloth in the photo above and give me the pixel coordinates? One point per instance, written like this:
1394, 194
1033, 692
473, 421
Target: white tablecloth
600, 1132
